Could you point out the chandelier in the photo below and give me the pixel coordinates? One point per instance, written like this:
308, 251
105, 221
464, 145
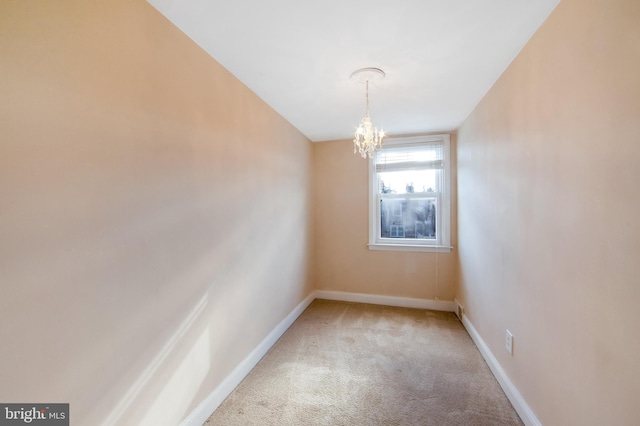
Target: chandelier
367, 137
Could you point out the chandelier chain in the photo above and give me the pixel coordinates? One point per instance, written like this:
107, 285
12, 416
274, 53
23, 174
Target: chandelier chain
367, 85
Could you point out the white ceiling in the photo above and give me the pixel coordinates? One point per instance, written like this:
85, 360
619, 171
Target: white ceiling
440, 56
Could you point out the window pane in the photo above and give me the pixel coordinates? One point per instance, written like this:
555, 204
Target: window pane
409, 181
408, 218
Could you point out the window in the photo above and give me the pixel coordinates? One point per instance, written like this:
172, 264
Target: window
409, 195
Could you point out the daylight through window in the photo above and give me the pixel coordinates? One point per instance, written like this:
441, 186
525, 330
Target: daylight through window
409, 194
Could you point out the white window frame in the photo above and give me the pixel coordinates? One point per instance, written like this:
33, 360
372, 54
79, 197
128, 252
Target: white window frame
443, 219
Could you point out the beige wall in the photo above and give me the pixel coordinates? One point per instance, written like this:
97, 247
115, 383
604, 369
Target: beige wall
549, 208
154, 213
343, 260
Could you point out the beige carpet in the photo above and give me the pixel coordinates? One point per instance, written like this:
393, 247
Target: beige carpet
356, 364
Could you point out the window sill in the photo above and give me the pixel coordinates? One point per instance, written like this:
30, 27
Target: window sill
407, 247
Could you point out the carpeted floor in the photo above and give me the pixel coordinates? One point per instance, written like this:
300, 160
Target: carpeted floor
355, 364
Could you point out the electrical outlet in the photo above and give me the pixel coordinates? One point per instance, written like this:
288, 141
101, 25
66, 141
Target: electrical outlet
509, 342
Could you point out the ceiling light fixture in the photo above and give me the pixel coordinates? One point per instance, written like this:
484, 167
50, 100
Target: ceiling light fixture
367, 137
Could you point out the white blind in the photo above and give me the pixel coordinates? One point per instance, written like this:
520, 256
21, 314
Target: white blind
426, 156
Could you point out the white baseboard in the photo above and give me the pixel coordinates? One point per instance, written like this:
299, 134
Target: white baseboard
209, 405
404, 302
458, 309
518, 402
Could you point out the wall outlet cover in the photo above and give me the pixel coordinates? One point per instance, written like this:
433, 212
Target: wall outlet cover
509, 342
